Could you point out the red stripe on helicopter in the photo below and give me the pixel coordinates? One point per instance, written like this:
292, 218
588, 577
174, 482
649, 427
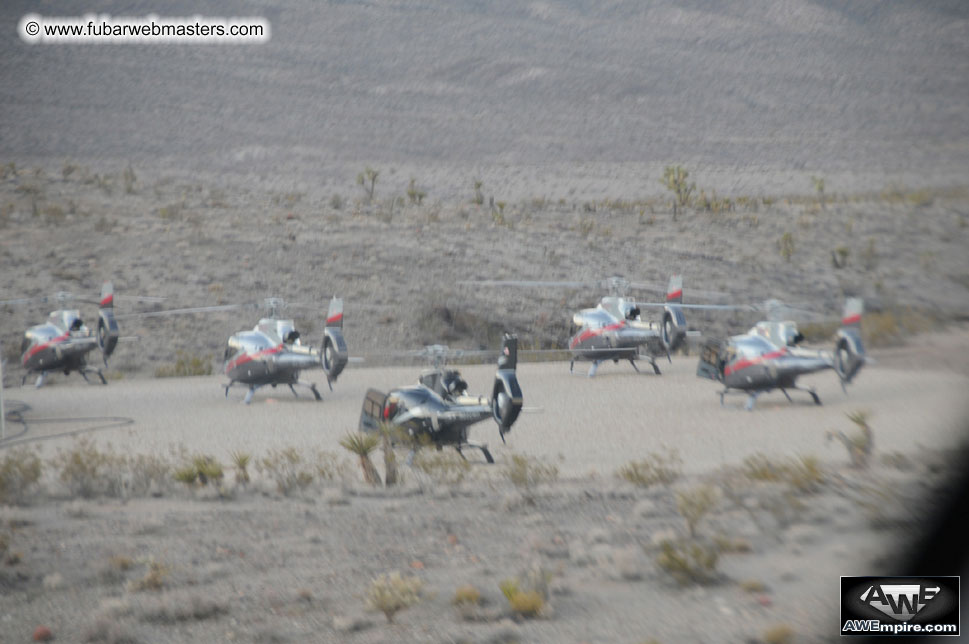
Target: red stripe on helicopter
743, 363
335, 318
107, 301
674, 295
591, 333
249, 357
32, 351
851, 319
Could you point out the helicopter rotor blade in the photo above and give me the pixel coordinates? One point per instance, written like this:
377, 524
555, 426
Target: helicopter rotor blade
185, 311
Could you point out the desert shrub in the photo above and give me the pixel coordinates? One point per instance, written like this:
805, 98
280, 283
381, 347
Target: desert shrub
879, 328
689, 561
466, 595
753, 586
779, 634
444, 467
288, 469
526, 603
839, 256
368, 181
527, 473
200, 469
675, 180
478, 197
861, 444
154, 578
20, 469
89, 471
658, 467
695, 503
129, 178
240, 461
803, 474
362, 445
186, 365
148, 472
785, 246
392, 593
818, 183
415, 194
731, 545
336, 202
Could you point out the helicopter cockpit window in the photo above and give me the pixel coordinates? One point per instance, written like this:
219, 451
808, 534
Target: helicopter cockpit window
77, 324
229, 352
632, 313
291, 337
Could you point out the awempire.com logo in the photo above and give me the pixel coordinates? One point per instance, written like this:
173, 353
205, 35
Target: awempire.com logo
900, 606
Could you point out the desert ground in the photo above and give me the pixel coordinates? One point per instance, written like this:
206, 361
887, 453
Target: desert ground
829, 149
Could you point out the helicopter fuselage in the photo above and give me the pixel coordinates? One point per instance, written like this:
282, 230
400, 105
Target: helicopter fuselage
62, 343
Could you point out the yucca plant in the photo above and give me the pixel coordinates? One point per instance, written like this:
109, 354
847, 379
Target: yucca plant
241, 460
362, 445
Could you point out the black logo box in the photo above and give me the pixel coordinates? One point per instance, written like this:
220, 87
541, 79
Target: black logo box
943, 608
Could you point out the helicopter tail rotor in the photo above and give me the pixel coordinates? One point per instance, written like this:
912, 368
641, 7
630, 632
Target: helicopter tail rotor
506, 395
333, 353
849, 352
108, 331
673, 332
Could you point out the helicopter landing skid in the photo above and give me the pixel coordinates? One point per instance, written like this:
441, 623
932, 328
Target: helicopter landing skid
87, 369
752, 395
476, 445
310, 386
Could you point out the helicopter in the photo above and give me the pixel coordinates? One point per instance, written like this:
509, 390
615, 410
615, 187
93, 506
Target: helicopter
63, 342
272, 354
439, 409
615, 329
767, 357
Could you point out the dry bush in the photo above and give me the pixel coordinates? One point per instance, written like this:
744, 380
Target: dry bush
527, 473
861, 444
89, 471
659, 467
466, 595
694, 504
20, 470
526, 603
173, 609
392, 593
804, 473
148, 472
444, 467
186, 365
288, 469
779, 634
689, 561
753, 586
200, 469
154, 578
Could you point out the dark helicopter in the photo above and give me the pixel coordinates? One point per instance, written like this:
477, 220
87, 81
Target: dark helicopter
273, 354
64, 341
768, 358
439, 409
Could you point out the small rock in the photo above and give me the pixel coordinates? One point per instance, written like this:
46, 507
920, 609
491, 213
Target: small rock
646, 508
43, 634
597, 535
350, 623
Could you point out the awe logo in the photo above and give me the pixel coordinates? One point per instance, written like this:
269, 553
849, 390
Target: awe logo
899, 601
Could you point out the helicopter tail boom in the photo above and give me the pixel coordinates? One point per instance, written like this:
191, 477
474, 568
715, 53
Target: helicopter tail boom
108, 331
333, 353
506, 395
849, 351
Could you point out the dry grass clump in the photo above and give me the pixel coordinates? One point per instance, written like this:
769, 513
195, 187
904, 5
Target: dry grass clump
803, 473
392, 593
288, 469
445, 467
466, 595
20, 469
527, 473
202, 469
753, 586
689, 561
695, 503
240, 461
779, 634
154, 578
658, 467
861, 444
522, 602
89, 471
186, 365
